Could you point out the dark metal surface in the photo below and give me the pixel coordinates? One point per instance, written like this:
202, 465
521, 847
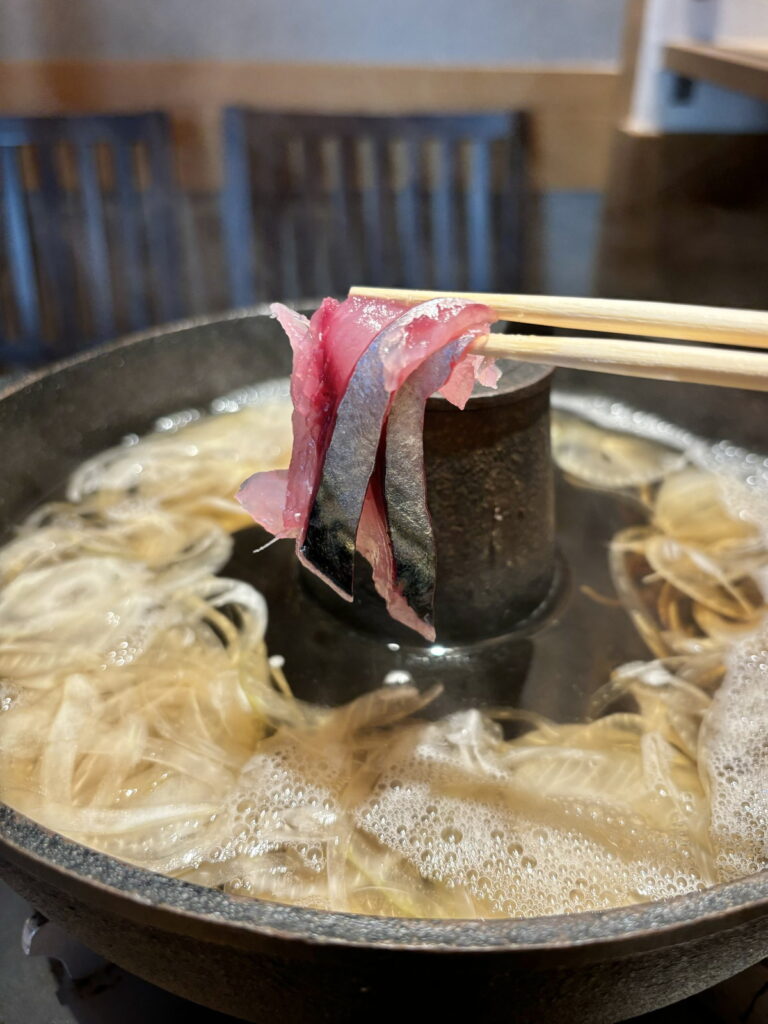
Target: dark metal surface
261, 960
60, 981
490, 486
34, 990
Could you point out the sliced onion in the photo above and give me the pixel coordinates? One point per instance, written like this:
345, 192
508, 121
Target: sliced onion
608, 458
139, 713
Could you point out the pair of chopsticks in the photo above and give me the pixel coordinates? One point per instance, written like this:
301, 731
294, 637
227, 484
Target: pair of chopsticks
659, 360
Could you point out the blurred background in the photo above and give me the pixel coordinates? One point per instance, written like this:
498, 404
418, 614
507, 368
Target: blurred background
167, 158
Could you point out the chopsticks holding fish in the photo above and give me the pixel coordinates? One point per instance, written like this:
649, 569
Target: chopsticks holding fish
363, 371
658, 360
747, 328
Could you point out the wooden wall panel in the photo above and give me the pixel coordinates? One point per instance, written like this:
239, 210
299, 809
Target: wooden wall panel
572, 109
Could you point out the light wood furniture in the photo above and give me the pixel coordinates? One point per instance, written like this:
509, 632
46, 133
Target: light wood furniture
740, 69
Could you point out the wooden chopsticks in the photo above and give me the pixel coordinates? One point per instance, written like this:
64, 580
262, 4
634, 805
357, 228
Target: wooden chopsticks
727, 367
657, 360
746, 327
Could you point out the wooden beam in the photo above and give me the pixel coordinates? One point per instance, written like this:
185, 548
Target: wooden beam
741, 70
572, 109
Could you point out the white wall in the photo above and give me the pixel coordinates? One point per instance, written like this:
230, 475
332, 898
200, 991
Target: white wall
709, 108
386, 31
742, 22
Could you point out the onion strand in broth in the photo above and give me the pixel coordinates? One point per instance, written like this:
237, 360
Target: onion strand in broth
141, 715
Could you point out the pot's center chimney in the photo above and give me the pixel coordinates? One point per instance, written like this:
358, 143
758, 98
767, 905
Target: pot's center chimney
490, 495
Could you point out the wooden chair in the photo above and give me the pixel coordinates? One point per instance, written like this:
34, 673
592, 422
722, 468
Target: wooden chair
88, 208
314, 203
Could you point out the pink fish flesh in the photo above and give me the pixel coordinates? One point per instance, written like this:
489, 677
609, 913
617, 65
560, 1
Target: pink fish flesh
362, 373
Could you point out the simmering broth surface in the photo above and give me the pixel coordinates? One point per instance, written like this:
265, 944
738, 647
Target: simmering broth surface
141, 714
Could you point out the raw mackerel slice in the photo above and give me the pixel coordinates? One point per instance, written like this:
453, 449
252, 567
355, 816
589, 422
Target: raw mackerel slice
325, 351
390, 359
356, 364
405, 484
373, 543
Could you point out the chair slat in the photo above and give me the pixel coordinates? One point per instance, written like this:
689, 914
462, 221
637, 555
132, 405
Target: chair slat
346, 246
95, 253
55, 251
275, 270
237, 210
510, 215
305, 240
478, 214
20, 259
161, 224
372, 208
316, 214
298, 241
408, 215
290, 229
442, 216
129, 227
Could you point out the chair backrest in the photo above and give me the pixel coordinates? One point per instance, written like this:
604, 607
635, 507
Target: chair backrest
88, 205
314, 203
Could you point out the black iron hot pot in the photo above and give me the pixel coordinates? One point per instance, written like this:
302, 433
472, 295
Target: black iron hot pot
264, 961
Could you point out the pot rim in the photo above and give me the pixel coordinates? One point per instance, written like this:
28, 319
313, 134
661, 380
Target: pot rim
625, 929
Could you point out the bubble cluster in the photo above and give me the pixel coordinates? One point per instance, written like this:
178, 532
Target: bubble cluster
735, 758
517, 853
733, 748
277, 824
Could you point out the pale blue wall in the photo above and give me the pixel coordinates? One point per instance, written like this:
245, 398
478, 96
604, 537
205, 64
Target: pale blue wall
394, 31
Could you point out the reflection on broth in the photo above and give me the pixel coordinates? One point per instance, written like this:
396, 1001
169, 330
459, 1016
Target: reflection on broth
141, 714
